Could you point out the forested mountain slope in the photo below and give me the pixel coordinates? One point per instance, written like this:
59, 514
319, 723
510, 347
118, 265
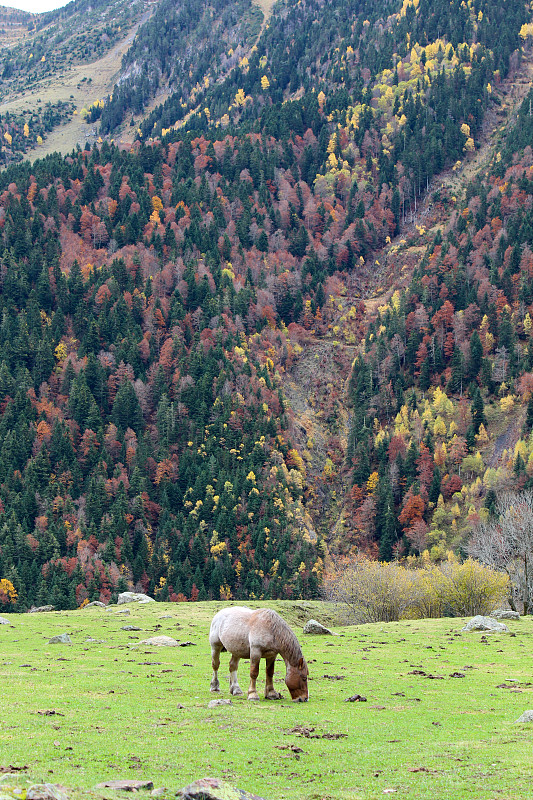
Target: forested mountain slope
185, 332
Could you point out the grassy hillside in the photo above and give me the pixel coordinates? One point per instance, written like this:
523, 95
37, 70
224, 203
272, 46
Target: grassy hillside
108, 708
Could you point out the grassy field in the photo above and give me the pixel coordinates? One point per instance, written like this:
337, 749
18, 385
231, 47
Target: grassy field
108, 708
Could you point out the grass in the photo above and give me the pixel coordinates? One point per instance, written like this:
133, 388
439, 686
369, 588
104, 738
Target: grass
118, 711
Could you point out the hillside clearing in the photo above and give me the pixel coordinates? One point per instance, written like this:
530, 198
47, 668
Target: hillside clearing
438, 720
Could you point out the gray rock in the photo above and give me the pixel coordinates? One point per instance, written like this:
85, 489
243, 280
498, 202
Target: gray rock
125, 612
4, 621
95, 604
502, 613
480, 623
161, 641
214, 789
215, 703
62, 638
130, 628
126, 786
527, 716
134, 597
46, 791
38, 609
314, 627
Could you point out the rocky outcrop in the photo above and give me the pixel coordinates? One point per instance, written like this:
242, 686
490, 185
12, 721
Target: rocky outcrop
62, 638
489, 624
315, 628
214, 789
134, 597
161, 641
502, 613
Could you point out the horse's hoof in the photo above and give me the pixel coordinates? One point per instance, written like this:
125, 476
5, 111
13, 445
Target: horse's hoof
215, 687
273, 696
235, 691
253, 697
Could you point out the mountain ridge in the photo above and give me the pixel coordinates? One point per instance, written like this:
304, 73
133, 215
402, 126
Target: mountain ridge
278, 333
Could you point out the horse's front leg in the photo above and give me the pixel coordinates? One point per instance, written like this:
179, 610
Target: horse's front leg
215, 662
234, 687
270, 692
255, 658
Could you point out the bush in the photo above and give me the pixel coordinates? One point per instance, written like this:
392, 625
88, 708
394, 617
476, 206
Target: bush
371, 591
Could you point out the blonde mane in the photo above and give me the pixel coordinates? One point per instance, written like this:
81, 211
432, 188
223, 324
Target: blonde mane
289, 646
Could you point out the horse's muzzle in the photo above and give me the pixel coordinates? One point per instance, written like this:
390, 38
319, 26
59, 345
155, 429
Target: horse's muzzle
300, 700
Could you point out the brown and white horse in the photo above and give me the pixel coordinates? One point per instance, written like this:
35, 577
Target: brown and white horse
258, 634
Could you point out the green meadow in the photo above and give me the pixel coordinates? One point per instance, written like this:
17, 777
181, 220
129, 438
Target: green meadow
438, 722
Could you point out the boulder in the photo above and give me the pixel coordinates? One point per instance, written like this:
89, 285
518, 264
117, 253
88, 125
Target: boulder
125, 612
527, 716
38, 609
489, 624
4, 621
45, 791
62, 638
133, 597
214, 789
161, 641
95, 604
502, 613
314, 627
130, 628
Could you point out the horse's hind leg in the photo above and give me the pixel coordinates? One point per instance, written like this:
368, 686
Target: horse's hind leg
255, 658
215, 661
234, 687
270, 692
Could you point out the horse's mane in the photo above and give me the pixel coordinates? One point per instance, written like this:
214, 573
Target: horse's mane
289, 646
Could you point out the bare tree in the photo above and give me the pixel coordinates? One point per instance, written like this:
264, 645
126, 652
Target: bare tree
506, 543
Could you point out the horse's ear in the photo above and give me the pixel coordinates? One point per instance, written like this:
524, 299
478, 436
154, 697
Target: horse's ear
301, 663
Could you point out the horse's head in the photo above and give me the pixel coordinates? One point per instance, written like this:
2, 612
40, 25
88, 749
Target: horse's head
296, 680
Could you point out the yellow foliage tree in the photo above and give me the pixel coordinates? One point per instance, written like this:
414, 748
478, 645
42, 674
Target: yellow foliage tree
265, 83
8, 593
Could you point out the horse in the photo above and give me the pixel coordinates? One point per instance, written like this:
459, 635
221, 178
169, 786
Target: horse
258, 634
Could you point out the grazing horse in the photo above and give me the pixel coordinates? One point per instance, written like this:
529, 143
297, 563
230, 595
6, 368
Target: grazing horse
258, 634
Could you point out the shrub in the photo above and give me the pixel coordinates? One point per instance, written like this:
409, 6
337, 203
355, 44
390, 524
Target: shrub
372, 591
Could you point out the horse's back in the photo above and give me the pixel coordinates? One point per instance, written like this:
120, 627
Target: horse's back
230, 627
238, 628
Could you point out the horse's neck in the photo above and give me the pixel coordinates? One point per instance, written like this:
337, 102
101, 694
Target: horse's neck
290, 649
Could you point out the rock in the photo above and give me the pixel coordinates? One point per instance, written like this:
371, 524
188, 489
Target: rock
161, 641
130, 628
124, 611
133, 597
62, 638
527, 716
502, 613
481, 623
166, 616
126, 786
95, 604
314, 627
214, 789
38, 609
4, 621
46, 791
215, 703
